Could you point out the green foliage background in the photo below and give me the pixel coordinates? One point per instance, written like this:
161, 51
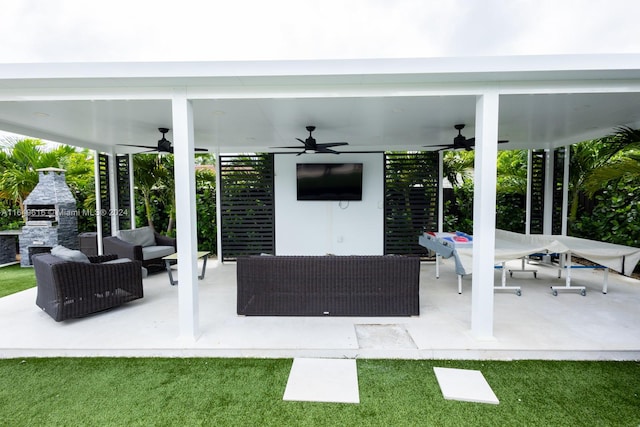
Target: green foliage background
604, 201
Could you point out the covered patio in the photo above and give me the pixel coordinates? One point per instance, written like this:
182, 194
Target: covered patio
536, 325
541, 102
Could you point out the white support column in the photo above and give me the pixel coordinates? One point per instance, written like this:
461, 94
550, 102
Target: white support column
484, 215
565, 190
113, 194
132, 194
547, 225
96, 180
527, 220
186, 218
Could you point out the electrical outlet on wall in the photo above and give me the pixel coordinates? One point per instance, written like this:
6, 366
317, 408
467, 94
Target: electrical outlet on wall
340, 239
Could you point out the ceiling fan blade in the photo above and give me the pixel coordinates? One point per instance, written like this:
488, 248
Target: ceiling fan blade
473, 141
140, 146
326, 150
300, 140
201, 149
332, 144
297, 146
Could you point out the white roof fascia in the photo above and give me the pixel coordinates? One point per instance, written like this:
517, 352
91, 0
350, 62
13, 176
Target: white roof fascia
483, 68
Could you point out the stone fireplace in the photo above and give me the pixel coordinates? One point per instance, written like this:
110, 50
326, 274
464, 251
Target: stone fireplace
51, 216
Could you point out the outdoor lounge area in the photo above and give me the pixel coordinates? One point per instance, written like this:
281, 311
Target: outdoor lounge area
536, 325
365, 110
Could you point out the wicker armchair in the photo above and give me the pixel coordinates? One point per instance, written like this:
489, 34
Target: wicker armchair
70, 289
141, 244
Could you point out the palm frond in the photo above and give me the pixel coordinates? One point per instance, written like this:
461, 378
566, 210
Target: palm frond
628, 135
600, 177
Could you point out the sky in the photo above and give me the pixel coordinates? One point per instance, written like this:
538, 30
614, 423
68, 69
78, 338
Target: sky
214, 30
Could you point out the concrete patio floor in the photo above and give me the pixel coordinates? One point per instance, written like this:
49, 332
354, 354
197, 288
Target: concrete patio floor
536, 325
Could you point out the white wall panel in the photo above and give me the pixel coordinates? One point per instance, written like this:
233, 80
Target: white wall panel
323, 227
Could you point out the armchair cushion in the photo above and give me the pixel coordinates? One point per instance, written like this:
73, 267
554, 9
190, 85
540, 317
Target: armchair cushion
69, 254
154, 252
143, 236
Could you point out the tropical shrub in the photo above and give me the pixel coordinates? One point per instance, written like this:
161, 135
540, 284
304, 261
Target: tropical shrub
615, 218
459, 209
206, 211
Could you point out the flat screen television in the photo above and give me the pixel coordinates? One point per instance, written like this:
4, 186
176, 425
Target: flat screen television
329, 181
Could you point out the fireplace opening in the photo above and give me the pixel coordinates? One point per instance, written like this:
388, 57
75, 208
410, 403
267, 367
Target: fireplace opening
41, 213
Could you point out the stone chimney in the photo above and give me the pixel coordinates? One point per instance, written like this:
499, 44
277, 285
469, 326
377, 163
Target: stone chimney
51, 216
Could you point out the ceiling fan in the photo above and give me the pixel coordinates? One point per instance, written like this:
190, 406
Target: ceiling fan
164, 145
310, 144
460, 141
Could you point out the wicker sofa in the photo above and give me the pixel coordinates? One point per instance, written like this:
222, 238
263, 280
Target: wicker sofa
69, 289
328, 285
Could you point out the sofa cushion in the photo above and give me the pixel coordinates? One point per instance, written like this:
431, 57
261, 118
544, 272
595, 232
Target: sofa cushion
153, 252
142, 236
69, 254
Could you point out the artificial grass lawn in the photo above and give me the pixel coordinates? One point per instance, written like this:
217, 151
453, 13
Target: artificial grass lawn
248, 392
15, 279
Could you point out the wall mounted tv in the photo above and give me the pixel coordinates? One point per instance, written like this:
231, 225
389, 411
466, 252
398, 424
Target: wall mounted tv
329, 181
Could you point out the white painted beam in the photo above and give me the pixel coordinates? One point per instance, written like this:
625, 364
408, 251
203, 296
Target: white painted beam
186, 218
484, 215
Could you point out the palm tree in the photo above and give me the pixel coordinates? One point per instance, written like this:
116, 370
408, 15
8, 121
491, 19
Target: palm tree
19, 163
155, 180
512, 172
147, 175
626, 164
594, 161
458, 166
168, 183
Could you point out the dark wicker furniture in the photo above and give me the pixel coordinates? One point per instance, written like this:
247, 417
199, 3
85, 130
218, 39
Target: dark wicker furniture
328, 285
69, 289
115, 245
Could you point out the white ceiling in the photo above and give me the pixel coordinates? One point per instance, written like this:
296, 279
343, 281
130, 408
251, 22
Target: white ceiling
373, 105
